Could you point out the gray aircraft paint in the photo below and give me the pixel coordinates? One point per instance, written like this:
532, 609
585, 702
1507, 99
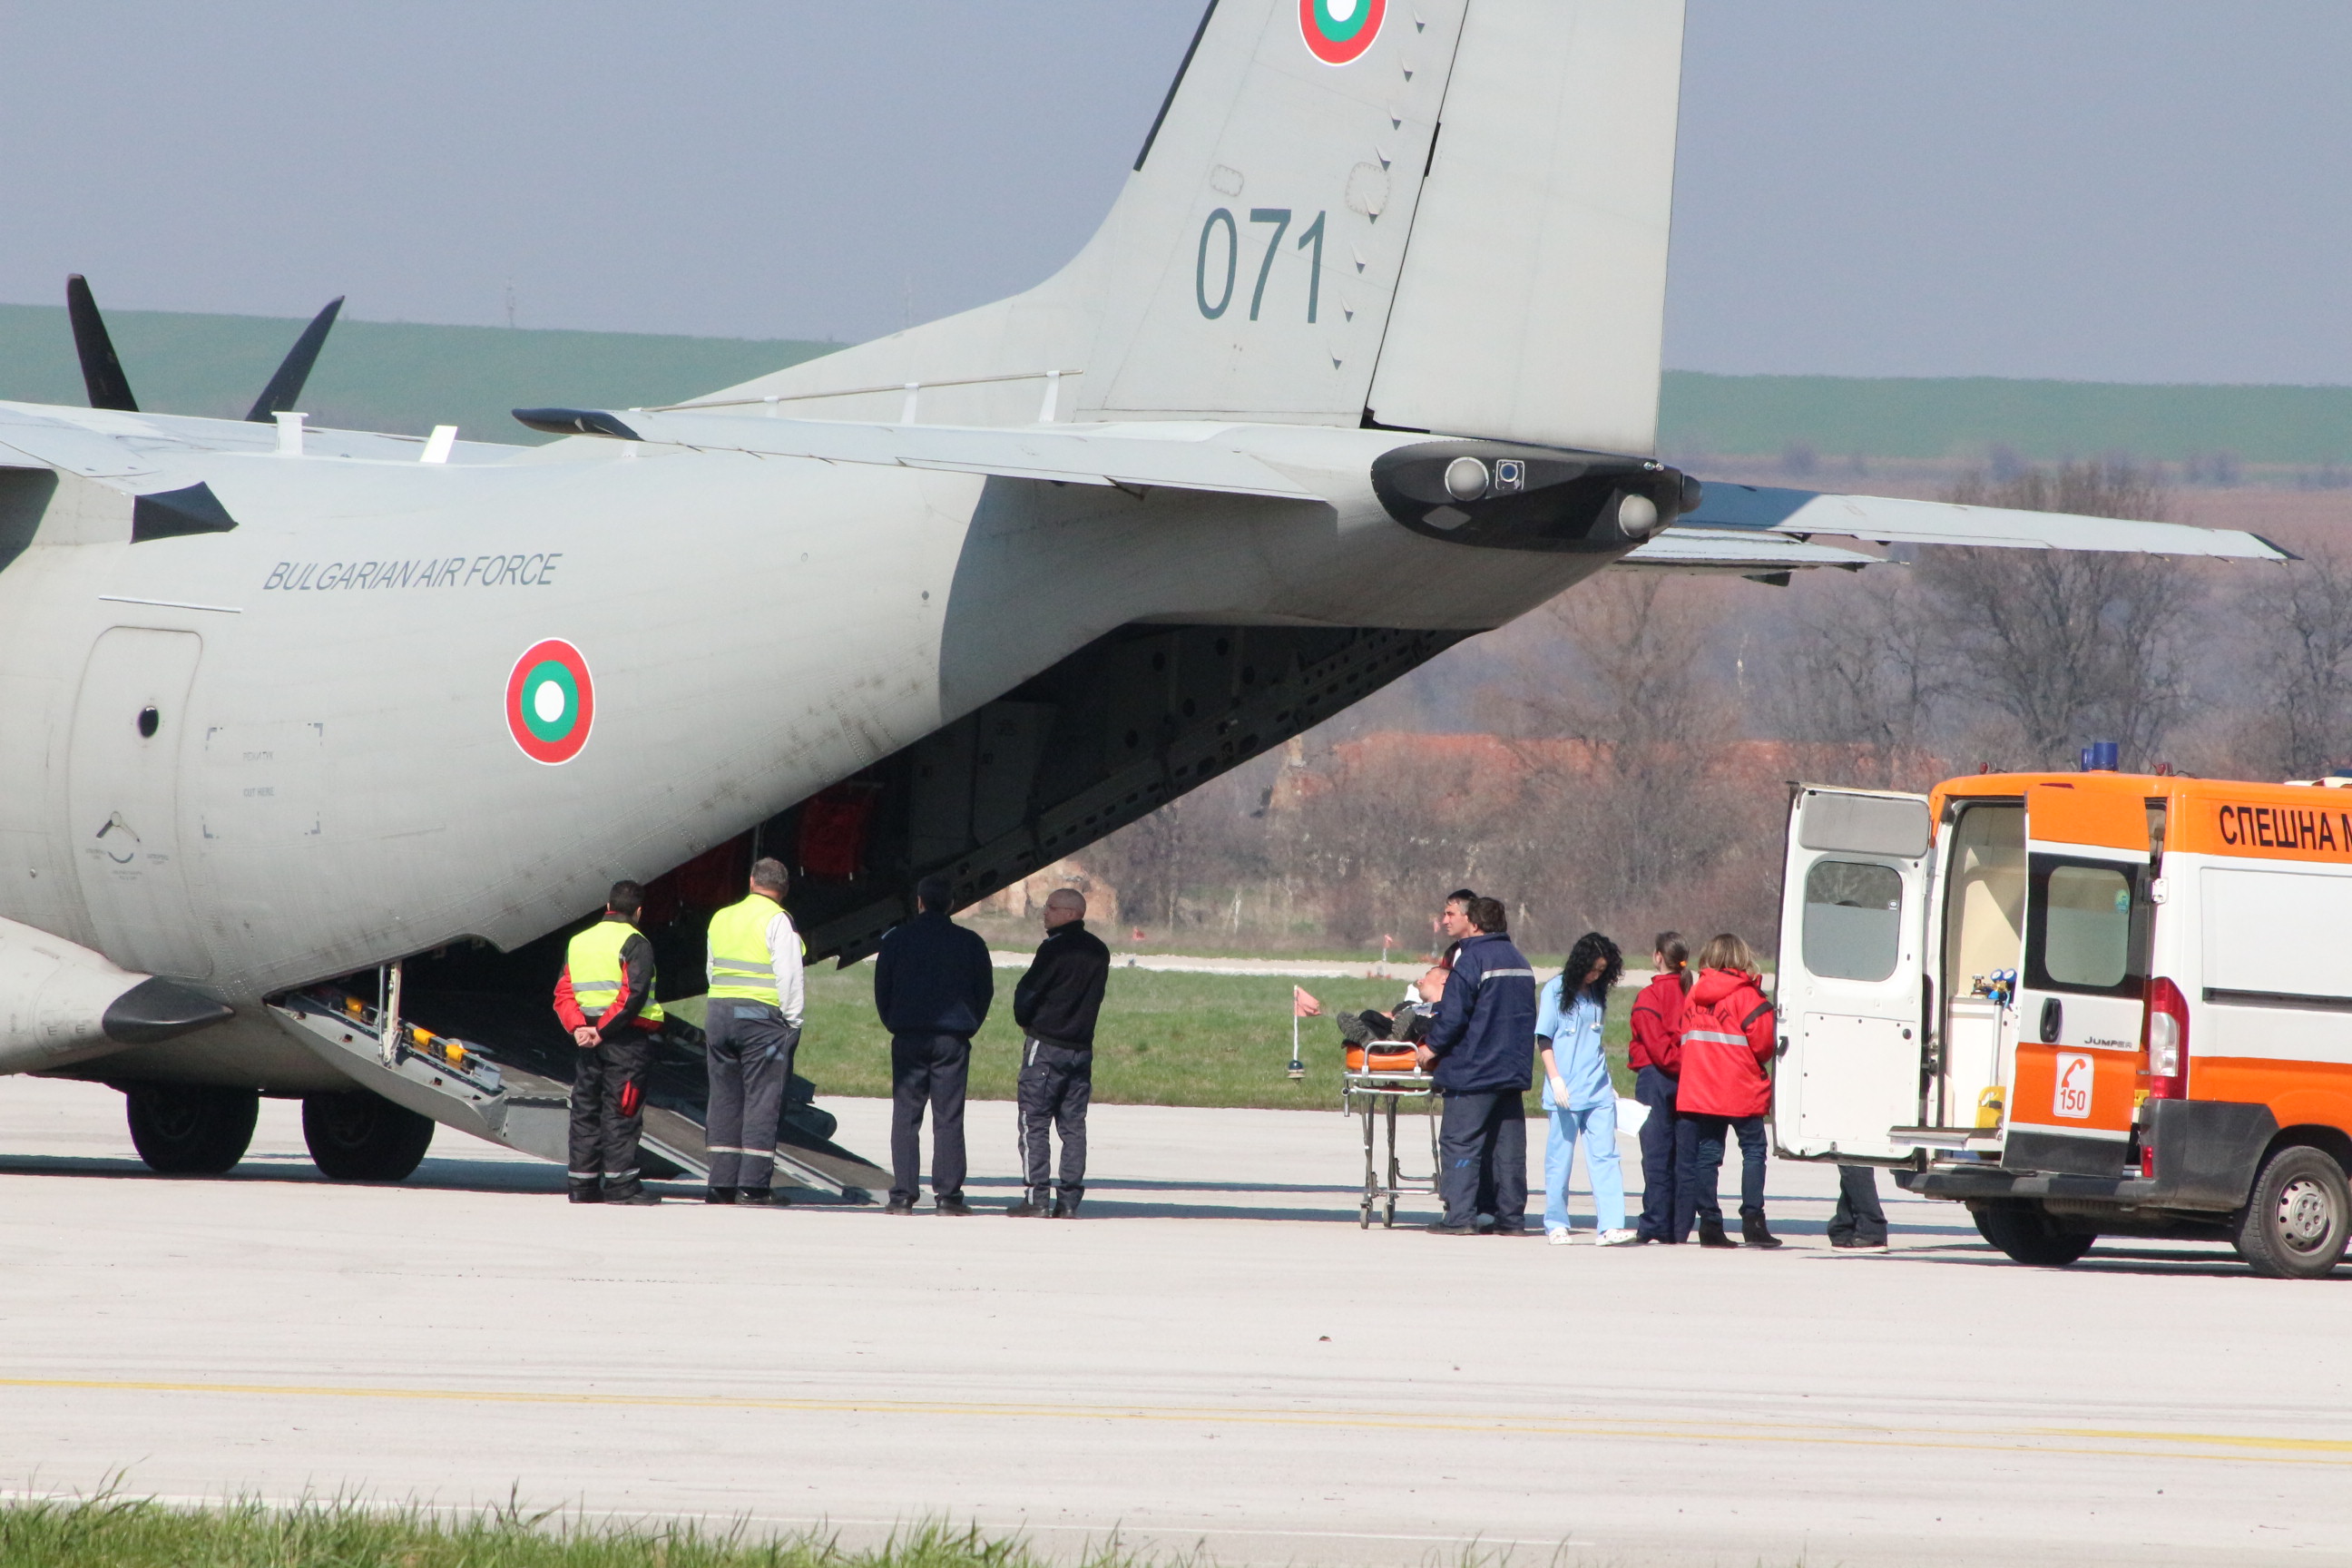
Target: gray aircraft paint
332, 783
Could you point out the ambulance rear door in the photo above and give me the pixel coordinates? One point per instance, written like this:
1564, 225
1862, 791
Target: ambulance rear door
1851, 998
2081, 991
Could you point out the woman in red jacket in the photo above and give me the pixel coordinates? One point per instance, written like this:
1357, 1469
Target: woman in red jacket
1727, 1031
1655, 1057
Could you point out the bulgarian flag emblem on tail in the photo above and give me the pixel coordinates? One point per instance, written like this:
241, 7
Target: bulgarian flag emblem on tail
1339, 31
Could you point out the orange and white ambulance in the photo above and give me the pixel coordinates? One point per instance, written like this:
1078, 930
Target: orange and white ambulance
2083, 1005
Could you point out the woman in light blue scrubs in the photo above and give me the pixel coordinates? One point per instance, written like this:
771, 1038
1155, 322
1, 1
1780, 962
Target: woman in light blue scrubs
1578, 1094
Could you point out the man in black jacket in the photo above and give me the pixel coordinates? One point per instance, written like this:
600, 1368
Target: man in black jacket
932, 987
1056, 1004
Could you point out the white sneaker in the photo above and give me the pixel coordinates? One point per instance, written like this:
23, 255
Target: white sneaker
1616, 1239
1560, 1237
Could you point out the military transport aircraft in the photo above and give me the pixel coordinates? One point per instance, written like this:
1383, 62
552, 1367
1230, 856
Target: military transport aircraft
318, 742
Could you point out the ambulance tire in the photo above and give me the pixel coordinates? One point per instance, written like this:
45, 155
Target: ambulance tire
359, 1136
2299, 1218
2030, 1236
190, 1129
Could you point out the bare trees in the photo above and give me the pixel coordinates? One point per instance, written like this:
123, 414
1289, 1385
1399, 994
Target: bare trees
1389, 825
2059, 646
1152, 858
1860, 664
1661, 803
2020, 655
2297, 625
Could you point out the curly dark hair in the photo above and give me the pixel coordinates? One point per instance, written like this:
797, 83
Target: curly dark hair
1591, 948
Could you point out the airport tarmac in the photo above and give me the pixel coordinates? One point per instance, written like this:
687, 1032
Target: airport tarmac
1217, 1356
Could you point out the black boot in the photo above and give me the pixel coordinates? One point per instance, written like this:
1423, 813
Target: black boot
1034, 1206
1752, 1231
1710, 1233
719, 1195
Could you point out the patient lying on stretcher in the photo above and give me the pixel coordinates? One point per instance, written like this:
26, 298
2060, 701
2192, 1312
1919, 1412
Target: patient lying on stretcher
1407, 1025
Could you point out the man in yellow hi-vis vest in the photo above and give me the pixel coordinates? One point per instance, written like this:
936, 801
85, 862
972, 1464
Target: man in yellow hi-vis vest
754, 1026
605, 998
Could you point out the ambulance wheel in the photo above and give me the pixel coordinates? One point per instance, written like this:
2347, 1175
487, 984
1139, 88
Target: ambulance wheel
2030, 1236
2296, 1224
188, 1129
359, 1136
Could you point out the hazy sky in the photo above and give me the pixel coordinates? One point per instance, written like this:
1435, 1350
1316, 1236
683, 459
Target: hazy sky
2146, 190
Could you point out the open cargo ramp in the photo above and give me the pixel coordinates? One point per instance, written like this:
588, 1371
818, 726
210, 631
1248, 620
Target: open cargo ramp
505, 1078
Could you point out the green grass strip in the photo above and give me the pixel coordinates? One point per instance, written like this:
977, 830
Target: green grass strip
109, 1531
1219, 1040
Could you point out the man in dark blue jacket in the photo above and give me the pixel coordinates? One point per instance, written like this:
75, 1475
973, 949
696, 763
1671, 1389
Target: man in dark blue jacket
1482, 1048
932, 986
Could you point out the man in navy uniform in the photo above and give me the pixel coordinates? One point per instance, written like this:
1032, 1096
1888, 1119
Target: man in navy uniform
1481, 1051
932, 986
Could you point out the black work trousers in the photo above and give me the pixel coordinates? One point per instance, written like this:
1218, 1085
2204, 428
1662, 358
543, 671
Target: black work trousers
928, 1069
1482, 1147
608, 1113
750, 1053
1655, 1088
1698, 1162
1058, 1084
1858, 1217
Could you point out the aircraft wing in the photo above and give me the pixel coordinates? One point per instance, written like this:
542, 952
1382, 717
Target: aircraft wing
1738, 553
1196, 460
1756, 509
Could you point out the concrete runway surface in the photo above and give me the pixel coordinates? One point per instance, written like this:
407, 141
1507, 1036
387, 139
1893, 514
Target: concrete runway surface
1216, 1357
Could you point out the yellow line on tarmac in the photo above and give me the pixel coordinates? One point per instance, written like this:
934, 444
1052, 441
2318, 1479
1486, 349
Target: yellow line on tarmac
2048, 1440
2311, 1445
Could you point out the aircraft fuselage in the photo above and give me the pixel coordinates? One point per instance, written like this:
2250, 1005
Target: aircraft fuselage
284, 752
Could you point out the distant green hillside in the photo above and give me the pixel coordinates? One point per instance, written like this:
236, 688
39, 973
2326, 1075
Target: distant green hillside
381, 376
2040, 420
387, 375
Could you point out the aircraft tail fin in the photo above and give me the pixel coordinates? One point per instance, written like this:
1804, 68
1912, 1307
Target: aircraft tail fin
1436, 215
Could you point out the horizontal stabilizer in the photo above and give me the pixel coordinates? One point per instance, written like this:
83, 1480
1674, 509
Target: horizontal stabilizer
1742, 553
1194, 460
1886, 521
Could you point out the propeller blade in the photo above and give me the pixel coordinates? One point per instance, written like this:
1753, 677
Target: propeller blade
101, 372
286, 386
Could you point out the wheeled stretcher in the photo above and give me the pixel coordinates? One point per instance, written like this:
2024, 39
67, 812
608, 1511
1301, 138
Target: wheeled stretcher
1376, 1082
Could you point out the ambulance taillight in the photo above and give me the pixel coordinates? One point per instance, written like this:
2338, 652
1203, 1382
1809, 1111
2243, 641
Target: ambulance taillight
2165, 1032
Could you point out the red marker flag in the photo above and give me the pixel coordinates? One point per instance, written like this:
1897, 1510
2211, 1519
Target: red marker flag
1302, 1006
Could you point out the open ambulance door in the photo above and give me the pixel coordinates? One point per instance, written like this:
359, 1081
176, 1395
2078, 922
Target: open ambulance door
2082, 990
1851, 998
